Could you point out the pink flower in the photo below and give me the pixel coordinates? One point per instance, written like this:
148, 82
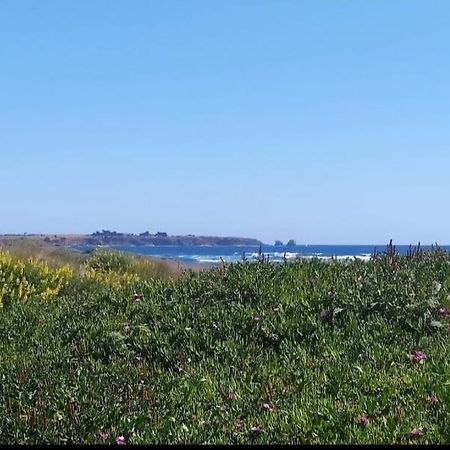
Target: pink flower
418, 356
416, 432
363, 420
444, 311
268, 407
256, 318
120, 440
256, 429
137, 297
103, 436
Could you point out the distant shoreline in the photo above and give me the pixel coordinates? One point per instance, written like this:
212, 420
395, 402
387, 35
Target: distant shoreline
144, 239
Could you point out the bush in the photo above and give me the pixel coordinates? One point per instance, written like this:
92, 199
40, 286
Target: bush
301, 352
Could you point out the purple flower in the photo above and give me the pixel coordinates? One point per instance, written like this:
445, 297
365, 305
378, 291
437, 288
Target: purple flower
418, 356
363, 420
137, 297
268, 407
256, 429
103, 435
120, 440
416, 432
444, 311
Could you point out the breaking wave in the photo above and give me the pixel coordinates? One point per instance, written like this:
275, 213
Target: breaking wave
272, 256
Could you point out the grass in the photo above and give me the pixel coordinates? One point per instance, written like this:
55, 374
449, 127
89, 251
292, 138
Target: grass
301, 352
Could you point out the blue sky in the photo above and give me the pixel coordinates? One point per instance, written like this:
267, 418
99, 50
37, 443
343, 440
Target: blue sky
322, 121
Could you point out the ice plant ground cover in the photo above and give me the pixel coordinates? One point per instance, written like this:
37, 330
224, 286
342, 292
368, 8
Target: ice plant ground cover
301, 352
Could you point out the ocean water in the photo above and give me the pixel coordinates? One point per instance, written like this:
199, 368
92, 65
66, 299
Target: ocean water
216, 254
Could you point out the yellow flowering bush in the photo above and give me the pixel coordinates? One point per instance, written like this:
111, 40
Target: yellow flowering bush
20, 280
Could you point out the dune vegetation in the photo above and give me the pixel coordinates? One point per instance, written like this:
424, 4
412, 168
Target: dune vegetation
109, 348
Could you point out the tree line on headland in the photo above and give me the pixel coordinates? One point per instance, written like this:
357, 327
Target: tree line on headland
107, 237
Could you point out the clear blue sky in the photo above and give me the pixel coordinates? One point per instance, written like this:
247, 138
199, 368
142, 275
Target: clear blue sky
322, 121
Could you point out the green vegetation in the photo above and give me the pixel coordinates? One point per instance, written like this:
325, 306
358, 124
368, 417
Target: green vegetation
300, 352
36, 249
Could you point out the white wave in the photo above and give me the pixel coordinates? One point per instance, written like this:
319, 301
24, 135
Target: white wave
290, 255
281, 256
276, 257
207, 260
364, 257
211, 258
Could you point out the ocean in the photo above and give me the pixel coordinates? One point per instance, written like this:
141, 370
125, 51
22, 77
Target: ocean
216, 254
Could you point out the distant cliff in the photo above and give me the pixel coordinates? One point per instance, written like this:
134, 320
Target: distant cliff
160, 238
